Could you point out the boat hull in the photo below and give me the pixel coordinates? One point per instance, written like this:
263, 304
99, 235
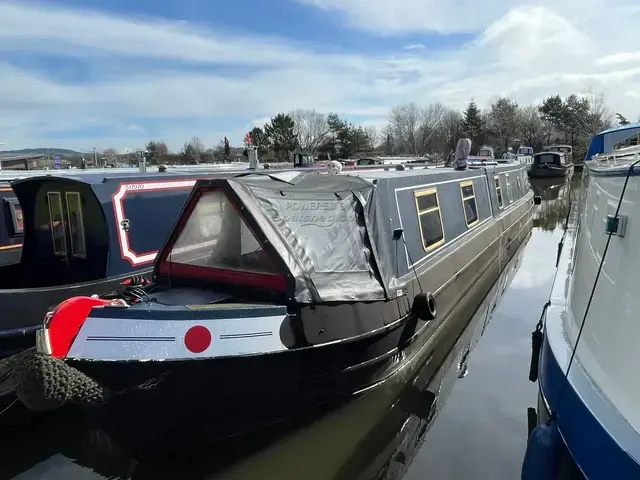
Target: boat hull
554, 172
576, 404
188, 403
24, 308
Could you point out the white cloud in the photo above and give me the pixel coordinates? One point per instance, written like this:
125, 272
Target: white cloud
527, 52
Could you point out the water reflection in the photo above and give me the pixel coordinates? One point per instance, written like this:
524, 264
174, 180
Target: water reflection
467, 421
557, 195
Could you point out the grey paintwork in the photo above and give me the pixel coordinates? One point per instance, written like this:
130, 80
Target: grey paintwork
386, 200
400, 209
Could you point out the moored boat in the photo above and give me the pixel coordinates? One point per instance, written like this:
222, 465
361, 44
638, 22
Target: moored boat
550, 165
82, 234
587, 412
525, 155
317, 288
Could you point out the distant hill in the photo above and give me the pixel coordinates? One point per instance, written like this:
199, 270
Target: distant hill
41, 151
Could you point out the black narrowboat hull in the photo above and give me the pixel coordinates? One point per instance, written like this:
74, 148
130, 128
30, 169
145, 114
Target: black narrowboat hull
10, 254
537, 171
23, 309
174, 406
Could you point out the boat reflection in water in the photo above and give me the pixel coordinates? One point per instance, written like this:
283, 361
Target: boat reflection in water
373, 437
557, 195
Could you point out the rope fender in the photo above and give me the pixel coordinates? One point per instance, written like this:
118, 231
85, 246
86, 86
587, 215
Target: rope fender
45, 383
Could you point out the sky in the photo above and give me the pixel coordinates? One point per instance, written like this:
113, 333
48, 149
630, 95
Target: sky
116, 73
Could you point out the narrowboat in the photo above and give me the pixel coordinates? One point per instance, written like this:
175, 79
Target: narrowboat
11, 214
550, 165
318, 288
83, 234
10, 226
587, 418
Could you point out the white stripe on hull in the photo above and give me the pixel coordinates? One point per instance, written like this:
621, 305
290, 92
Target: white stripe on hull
116, 339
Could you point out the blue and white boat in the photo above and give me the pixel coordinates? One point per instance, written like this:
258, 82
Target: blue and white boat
588, 414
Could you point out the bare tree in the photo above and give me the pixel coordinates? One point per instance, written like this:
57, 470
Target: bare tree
161, 148
310, 128
110, 153
415, 127
449, 132
531, 128
373, 137
197, 149
600, 117
501, 121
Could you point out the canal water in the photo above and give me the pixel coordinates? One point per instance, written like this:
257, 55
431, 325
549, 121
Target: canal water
467, 422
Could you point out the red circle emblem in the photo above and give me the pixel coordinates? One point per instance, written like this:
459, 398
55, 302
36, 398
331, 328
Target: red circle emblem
197, 339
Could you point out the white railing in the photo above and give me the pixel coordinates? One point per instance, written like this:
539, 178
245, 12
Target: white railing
621, 156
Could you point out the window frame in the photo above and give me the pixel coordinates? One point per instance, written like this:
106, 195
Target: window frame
461, 185
14, 206
498, 187
51, 226
83, 254
509, 190
424, 193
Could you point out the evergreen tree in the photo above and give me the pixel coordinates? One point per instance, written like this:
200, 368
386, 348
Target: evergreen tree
227, 148
282, 136
473, 125
260, 140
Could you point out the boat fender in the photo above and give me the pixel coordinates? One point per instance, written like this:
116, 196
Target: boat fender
536, 346
424, 306
542, 454
44, 383
537, 338
537, 200
64, 323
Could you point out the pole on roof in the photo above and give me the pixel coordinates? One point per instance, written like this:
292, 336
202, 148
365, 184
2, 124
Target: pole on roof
253, 157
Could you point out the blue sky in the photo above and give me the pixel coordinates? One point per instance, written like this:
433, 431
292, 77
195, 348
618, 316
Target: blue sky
112, 73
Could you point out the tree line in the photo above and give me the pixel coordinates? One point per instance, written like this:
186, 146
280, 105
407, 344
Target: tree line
413, 130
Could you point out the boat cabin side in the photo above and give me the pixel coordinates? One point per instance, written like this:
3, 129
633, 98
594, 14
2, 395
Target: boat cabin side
486, 151
66, 238
436, 211
10, 226
525, 150
88, 228
565, 150
316, 239
550, 158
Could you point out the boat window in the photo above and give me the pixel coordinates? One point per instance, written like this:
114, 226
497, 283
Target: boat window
631, 141
76, 225
519, 183
16, 217
56, 223
507, 181
203, 242
496, 180
429, 218
469, 203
